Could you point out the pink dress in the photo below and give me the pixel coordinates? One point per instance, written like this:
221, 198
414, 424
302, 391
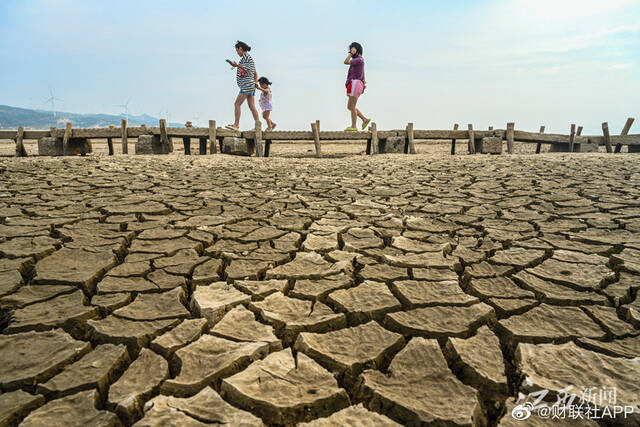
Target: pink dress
265, 101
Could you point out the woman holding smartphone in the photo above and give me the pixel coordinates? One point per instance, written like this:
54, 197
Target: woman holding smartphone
247, 79
355, 85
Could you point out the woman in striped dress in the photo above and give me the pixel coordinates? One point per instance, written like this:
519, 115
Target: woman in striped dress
247, 78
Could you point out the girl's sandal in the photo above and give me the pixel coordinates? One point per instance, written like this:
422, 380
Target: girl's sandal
231, 127
366, 124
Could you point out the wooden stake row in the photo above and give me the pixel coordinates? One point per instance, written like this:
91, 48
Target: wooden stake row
373, 141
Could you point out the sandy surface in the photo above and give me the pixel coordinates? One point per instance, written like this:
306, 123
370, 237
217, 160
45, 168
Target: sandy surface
387, 289
291, 148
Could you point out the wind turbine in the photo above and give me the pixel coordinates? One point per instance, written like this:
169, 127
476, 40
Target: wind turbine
52, 100
126, 108
164, 114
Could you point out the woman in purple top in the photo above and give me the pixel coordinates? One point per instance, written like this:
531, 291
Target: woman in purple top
355, 85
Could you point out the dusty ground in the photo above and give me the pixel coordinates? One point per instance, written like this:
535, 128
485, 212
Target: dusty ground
412, 289
291, 148
278, 149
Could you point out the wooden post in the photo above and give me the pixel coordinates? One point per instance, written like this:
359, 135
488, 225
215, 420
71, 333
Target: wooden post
203, 145
627, 126
510, 132
315, 129
65, 139
579, 131
53, 132
110, 142
572, 137
164, 137
367, 150
213, 140
607, 138
267, 147
453, 141
186, 142
471, 146
258, 139
20, 151
539, 144
125, 145
625, 131
374, 138
409, 148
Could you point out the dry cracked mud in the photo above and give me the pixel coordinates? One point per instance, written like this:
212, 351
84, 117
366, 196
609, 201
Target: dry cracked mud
387, 290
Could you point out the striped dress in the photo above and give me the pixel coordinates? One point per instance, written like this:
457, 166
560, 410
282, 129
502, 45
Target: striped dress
245, 78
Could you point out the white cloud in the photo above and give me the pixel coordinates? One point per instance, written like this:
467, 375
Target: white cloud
554, 69
574, 8
539, 49
587, 40
615, 67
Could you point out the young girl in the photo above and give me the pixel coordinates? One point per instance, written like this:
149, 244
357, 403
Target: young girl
265, 101
246, 78
355, 85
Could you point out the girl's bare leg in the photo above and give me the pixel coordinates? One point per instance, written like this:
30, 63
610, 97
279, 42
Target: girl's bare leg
362, 117
270, 124
237, 108
251, 100
351, 106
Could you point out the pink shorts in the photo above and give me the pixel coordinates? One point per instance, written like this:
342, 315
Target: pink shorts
355, 88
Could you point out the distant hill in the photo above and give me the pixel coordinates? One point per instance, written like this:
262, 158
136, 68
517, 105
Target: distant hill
12, 117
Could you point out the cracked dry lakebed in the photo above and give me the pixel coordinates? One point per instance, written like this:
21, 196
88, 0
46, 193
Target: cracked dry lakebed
361, 291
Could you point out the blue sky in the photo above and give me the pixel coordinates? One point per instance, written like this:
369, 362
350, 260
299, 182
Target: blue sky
551, 62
